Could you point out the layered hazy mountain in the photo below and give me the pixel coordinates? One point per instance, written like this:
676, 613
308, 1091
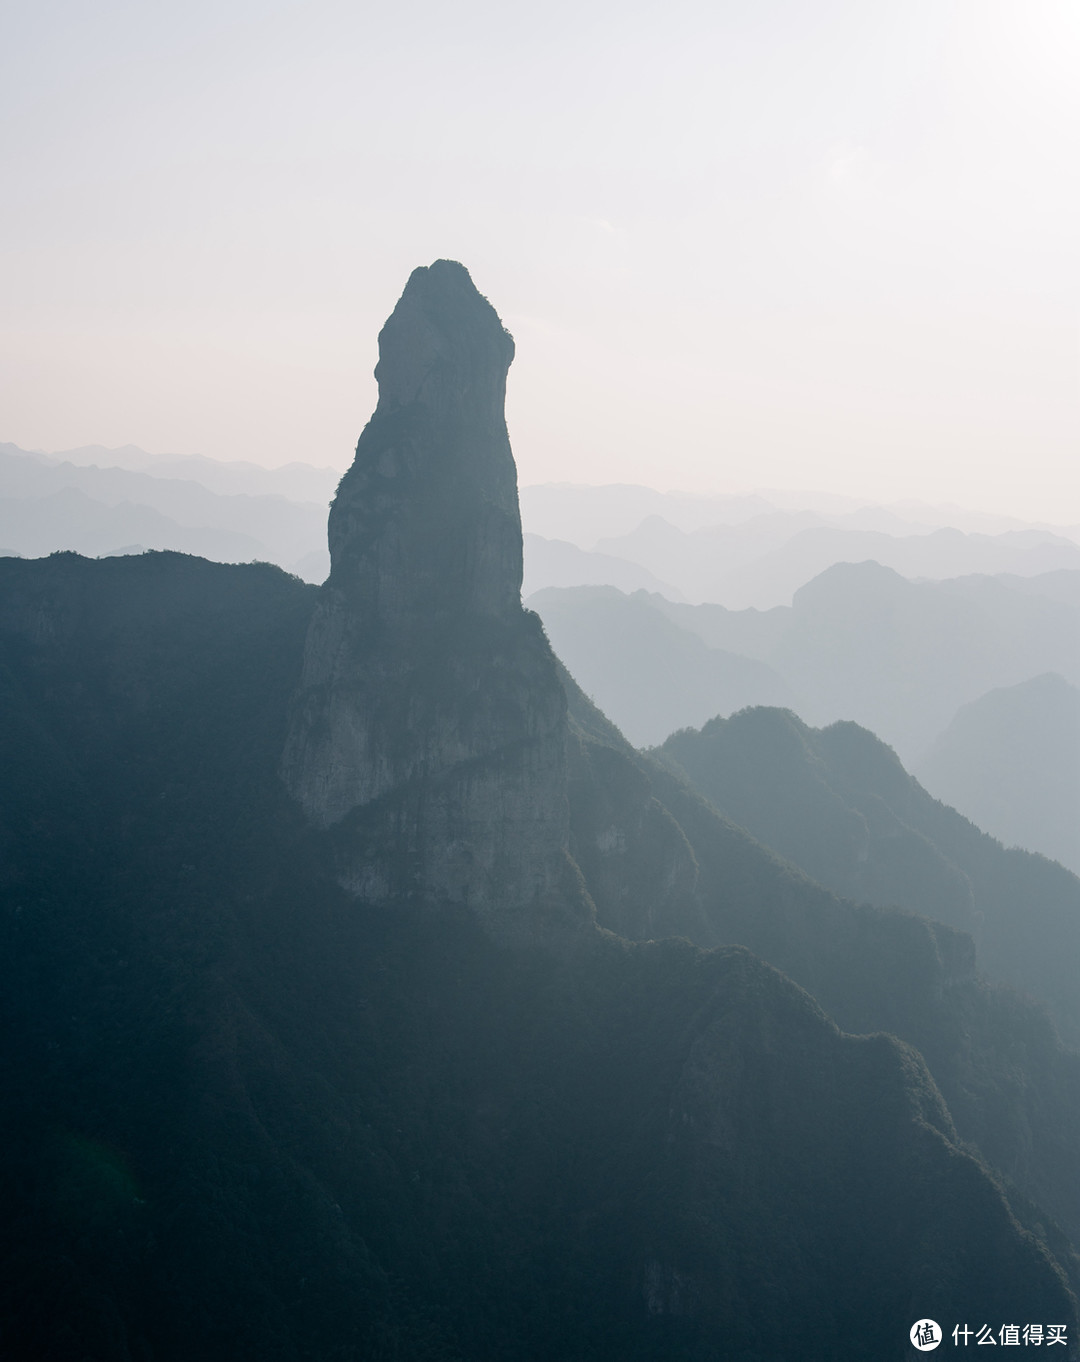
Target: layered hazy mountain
646, 671
859, 642
838, 803
1011, 761
557, 562
369, 996
758, 550
99, 502
764, 561
584, 514
897, 617
296, 481
738, 551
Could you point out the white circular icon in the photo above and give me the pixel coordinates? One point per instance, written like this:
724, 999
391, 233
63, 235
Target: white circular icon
925, 1335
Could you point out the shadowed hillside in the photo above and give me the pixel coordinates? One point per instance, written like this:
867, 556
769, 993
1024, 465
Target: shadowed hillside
385, 1132
838, 803
329, 1037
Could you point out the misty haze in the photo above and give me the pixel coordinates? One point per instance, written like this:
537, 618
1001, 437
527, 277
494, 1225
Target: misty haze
540, 653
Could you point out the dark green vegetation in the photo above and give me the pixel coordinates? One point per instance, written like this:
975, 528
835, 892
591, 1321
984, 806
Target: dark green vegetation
838, 803
660, 858
247, 1115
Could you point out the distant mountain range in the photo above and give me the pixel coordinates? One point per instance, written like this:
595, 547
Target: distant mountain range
648, 672
862, 643
1011, 761
585, 514
555, 562
857, 642
236, 477
753, 550
757, 550
764, 561
130, 502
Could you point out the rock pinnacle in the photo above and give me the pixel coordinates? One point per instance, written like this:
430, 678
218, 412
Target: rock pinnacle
428, 734
426, 520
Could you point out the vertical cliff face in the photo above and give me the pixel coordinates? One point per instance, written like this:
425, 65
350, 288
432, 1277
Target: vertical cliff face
425, 526
430, 726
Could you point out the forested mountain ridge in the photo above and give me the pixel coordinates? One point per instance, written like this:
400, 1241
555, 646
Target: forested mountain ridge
838, 803
659, 858
306, 1062
228, 1069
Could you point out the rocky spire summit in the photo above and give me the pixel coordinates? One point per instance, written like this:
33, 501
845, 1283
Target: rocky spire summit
428, 733
426, 520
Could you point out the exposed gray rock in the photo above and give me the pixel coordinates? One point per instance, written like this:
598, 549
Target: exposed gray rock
430, 726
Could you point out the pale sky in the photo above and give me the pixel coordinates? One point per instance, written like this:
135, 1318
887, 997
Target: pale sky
786, 243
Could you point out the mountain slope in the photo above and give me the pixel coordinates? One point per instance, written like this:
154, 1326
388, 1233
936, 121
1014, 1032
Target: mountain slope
316, 1049
838, 803
658, 858
859, 642
646, 672
264, 1117
1011, 761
